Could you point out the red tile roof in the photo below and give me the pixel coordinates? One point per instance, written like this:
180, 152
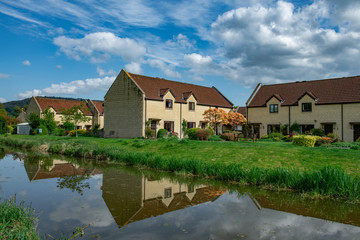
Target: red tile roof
100, 106
328, 91
204, 95
241, 110
59, 104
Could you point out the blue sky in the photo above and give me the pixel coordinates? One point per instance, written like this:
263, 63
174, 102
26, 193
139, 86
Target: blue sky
76, 49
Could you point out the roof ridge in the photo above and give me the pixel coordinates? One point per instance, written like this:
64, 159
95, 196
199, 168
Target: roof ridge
170, 80
306, 81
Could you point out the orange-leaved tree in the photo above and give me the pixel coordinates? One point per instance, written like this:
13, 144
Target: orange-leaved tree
234, 119
214, 116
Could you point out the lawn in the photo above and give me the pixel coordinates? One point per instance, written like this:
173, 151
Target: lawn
249, 154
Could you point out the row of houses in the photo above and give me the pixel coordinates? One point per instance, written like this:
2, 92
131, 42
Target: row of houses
134, 100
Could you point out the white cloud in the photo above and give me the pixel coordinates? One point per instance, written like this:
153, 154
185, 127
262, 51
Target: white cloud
26, 62
166, 69
133, 67
72, 88
100, 44
2, 100
103, 72
182, 41
4, 75
59, 66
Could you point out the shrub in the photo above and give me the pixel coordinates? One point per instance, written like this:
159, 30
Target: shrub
80, 132
215, 138
203, 134
358, 140
276, 135
69, 126
265, 136
192, 133
323, 140
211, 130
295, 127
229, 136
305, 140
276, 139
149, 133
174, 135
161, 133
44, 130
10, 129
317, 132
287, 138
60, 132
334, 136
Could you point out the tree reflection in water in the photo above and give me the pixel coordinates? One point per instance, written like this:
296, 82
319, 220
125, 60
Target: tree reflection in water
76, 183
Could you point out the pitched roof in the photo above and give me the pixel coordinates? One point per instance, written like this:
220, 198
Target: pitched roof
241, 110
59, 104
204, 95
328, 91
100, 106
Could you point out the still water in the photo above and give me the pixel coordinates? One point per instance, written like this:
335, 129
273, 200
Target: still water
131, 203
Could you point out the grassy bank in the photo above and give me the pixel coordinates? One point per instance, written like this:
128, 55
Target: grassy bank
330, 172
17, 221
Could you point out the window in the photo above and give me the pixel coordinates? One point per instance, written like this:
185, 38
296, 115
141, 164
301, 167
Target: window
306, 128
167, 193
306, 107
273, 128
203, 124
190, 188
169, 103
191, 106
191, 125
328, 128
169, 126
274, 108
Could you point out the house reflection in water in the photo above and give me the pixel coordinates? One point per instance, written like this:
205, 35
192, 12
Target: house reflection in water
132, 198
55, 169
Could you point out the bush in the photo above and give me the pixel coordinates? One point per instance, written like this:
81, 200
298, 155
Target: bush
80, 132
192, 133
10, 129
305, 140
203, 134
44, 130
264, 136
323, 140
358, 140
287, 138
295, 127
69, 126
161, 133
229, 136
334, 137
60, 132
317, 132
215, 138
211, 130
149, 133
276, 139
276, 135
14, 129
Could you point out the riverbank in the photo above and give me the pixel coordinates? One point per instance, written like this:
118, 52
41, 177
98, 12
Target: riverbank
318, 171
17, 221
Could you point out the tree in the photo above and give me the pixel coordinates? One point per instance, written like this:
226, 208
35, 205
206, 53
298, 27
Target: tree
3, 127
214, 116
34, 120
17, 111
48, 120
234, 119
75, 115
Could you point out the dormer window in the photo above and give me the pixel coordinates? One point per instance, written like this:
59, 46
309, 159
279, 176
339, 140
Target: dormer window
169, 104
274, 108
306, 107
191, 106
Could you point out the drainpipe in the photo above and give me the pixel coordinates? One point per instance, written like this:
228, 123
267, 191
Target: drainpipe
289, 120
180, 135
342, 122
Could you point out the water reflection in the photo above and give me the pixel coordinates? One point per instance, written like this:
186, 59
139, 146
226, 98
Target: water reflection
131, 203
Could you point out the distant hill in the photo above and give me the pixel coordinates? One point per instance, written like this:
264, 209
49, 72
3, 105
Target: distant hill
10, 106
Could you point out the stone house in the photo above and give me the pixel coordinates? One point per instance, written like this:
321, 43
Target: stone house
330, 104
133, 99
94, 110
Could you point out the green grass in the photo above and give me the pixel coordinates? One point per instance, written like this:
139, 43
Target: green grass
325, 171
17, 221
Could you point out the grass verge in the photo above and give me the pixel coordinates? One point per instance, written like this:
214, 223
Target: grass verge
327, 172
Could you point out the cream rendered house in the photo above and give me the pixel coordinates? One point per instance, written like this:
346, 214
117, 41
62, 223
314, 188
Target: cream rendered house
331, 104
94, 110
134, 99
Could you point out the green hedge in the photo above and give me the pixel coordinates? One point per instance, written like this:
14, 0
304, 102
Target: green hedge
305, 140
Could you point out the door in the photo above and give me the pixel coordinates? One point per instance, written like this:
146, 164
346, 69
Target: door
356, 132
153, 126
256, 130
328, 128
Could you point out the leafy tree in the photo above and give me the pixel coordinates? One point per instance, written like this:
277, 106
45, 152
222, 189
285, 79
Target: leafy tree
68, 126
76, 183
214, 116
234, 119
3, 128
34, 120
75, 115
17, 111
48, 120
184, 127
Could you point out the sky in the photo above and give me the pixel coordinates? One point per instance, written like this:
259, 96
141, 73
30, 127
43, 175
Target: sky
76, 48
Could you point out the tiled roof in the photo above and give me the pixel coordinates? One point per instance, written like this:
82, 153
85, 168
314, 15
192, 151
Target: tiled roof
241, 110
59, 104
329, 91
204, 95
100, 106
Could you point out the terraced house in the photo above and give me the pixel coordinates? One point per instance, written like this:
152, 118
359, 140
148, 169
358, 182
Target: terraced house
134, 99
331, 104
94, 110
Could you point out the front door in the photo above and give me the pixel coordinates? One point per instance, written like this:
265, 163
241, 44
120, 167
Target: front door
153, 126
356, 132
328, 128
256, 130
